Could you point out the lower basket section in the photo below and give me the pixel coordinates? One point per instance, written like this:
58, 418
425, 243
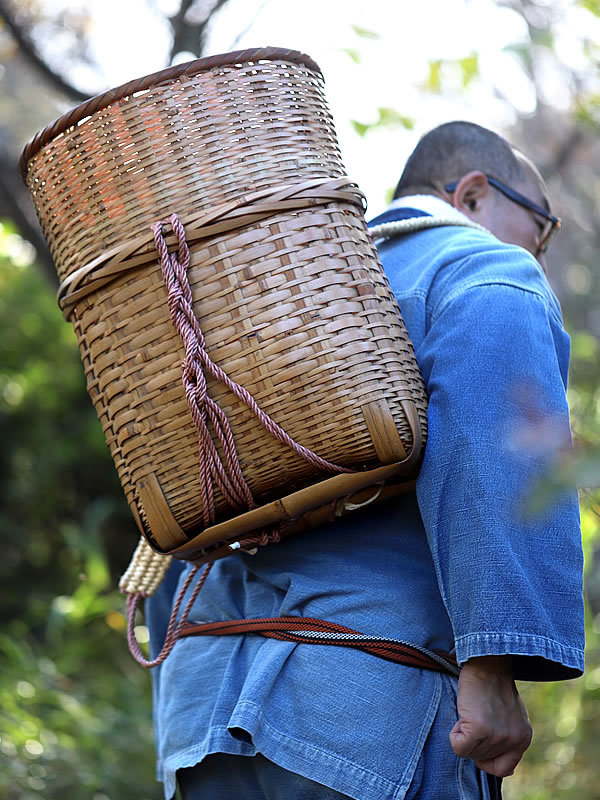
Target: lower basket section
300, 510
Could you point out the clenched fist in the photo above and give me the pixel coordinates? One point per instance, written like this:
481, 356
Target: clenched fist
493, 727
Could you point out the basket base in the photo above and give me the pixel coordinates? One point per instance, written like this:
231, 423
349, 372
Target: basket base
311, 519
298, 511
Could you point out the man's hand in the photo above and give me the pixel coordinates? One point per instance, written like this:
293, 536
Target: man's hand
493, 727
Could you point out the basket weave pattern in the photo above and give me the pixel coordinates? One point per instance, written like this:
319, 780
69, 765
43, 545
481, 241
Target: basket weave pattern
292, 302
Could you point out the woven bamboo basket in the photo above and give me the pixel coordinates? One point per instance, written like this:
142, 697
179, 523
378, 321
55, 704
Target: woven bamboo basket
285, 283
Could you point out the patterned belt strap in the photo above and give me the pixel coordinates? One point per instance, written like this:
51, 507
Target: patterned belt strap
317, 631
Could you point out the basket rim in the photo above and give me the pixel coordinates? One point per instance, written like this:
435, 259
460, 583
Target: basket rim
170, 74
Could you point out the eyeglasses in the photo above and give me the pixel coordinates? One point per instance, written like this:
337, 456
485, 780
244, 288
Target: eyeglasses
552, 225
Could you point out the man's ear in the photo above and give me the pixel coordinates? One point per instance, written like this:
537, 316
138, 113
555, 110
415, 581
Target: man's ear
471, 193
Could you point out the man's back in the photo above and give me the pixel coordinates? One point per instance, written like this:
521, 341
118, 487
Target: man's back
490, 344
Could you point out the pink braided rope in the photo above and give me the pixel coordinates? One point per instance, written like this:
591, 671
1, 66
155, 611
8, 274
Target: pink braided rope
174, 629
180, 306
203, 409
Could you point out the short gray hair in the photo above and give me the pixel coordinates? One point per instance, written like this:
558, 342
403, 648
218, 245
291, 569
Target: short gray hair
451, 150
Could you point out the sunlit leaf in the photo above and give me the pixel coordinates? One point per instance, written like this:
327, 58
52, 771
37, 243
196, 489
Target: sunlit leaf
434, 77
470, 68
364, 33
352, 53
360, 127
590, 529
386, 117
389, 116
591, 5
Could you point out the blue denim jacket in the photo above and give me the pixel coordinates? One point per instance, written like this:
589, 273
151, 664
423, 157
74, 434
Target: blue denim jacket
460, 565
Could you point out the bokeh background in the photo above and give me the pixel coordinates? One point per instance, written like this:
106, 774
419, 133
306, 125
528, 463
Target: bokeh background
75, 710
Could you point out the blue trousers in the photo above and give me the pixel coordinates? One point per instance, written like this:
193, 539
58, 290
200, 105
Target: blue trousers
228, 777
225, 777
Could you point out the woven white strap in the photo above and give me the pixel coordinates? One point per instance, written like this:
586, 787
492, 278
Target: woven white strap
387, 230
145, 571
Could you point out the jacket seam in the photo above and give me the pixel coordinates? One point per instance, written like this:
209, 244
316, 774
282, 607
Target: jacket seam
441, 307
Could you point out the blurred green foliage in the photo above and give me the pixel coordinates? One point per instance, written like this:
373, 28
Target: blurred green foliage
75, 709
467, 70
562, 761
386, 117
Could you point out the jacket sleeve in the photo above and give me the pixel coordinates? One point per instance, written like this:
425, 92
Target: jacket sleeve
495, 360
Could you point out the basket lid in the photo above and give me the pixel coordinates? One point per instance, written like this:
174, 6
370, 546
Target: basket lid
187, 69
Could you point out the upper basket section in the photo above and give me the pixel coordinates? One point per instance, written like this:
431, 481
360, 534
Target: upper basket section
191, 137
283, 288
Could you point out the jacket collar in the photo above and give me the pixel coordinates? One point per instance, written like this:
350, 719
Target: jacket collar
428, 204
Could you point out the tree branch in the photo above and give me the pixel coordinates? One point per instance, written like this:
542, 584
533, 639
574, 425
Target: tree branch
178, 27
29, 50
190, 36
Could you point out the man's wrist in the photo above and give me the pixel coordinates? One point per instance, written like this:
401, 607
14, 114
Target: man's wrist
486, 665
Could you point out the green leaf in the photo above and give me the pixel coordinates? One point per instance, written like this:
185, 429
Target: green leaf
364, 33
543, 37
389, 116
591, 5
360, 127
521, 51
587, 109
352, 53
434, 79
470, 68
385, 117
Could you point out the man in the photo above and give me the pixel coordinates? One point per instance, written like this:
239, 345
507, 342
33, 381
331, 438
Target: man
460, 565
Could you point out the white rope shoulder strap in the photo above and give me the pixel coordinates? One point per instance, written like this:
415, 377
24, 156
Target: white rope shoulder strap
145, 572
388, 230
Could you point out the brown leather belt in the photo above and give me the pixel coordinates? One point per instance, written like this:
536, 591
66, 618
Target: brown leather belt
308, 630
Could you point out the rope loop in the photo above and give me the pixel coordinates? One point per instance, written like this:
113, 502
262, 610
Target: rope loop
175, 627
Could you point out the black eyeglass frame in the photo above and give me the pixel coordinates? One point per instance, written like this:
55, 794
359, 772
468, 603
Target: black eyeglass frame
521, 200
